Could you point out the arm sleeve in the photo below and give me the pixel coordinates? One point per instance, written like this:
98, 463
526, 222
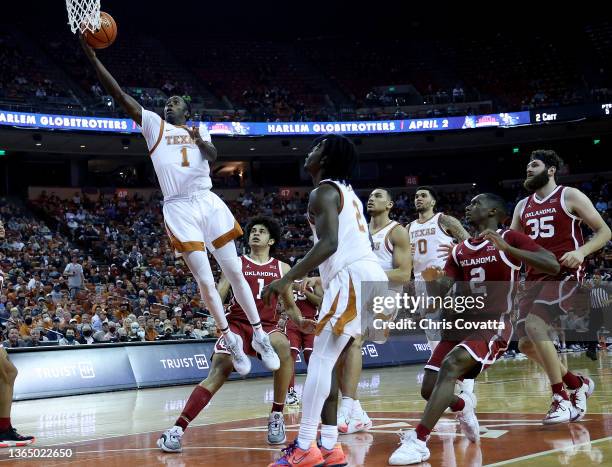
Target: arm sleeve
151, 127
521, 241
452, 268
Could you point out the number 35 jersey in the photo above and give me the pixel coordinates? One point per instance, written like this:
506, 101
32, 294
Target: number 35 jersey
353, 237
550, 224
178, 163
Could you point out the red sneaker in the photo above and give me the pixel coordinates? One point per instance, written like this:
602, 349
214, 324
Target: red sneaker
334, 457
293, 455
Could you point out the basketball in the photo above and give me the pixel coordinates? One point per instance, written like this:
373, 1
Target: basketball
106, 35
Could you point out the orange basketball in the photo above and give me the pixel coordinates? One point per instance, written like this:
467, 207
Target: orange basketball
104, 36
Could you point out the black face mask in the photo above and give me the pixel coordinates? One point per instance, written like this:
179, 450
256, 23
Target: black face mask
168, 331
87, 333
28, 321
188, 333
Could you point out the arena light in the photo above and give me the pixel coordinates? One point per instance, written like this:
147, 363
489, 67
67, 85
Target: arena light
515, 150
2, 152
596, 141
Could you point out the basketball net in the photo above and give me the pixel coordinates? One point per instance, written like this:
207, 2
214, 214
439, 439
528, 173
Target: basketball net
83, 15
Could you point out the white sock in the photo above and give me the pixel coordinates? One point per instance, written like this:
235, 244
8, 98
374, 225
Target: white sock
329, 436
357, 406
229, 337
258, 332
468, 385
347, 404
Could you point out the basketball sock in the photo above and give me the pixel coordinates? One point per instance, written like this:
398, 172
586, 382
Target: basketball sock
357, 406
571, 380
329, 436
198, 264
231, 266
559, 389
276, 407
422, 432
327, 349
458, 405
198, 399
228, 336
347, 404
258, 330
5, 424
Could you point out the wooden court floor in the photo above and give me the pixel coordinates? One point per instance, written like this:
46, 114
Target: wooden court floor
120, 429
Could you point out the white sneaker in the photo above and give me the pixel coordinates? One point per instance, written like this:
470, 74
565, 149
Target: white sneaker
276, 428
344, 415
560, 411
467, 417
268, 356
292, 398
241, 361
171, 440
578, 398
411, 451
357, 421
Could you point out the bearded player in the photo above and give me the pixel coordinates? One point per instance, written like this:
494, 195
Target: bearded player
391, 246
486, 266
349, 272
259, 269
551, 216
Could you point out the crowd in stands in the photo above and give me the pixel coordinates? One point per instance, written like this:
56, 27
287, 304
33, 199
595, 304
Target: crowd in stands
88, 271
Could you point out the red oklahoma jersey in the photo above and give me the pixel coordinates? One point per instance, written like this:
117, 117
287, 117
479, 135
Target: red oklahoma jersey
550, 224
258, 276
309, 311
488, 271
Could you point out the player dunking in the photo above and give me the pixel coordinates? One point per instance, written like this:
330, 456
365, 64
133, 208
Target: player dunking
391, 246
485, 266
259, 270
196, 219
343, 254
308, 299
551, 216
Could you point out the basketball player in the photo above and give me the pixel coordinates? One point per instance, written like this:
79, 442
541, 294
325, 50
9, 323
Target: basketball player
429, 233
391, 246
343, 254
551, 216
308, 299
196, 219
486, 266
259, 269
9, 438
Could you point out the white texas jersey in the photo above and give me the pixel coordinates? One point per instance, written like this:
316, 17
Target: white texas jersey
353, 237
180, 167
383, 249
425, 238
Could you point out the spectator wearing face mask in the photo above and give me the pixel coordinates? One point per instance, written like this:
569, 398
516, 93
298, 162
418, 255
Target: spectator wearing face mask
168, 331
136, 334
69, 337
86, 335
54, 333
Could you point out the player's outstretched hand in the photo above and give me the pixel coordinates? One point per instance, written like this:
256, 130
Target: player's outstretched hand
309, 283
432, 273
496, 239
444, 250
89, 51
194, 132
277, 288
572, 259
307, 326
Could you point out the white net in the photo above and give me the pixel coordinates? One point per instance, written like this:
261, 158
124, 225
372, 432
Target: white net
83, 15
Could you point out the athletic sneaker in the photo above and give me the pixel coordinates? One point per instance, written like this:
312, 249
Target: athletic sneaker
242, 363
560, 411
334, 457
578, 397
171, 440
264, 349
292, 398
356, 421
467, 417
294, 455
11, 439
411, 451
276, 428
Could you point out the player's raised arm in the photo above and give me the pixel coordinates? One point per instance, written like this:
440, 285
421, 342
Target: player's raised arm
579, 204
524, 249
402, 256
127, 102
453, 227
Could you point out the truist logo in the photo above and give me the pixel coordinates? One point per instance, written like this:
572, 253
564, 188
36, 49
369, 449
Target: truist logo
86, 370
372, 352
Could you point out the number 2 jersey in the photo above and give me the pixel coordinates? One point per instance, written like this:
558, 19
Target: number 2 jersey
258, 276
480, 269
178, 163
550, 224
353, 236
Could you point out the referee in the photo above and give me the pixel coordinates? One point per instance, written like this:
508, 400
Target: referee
600, 301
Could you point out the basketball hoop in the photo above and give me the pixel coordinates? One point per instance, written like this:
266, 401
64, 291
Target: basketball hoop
83, 15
